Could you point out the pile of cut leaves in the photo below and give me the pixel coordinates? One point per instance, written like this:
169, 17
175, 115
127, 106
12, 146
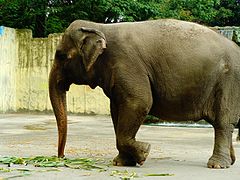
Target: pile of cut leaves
52, 164
45, 161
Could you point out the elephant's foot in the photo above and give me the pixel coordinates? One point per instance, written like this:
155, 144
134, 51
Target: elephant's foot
142, 152
129, 155
220, 162
124, 160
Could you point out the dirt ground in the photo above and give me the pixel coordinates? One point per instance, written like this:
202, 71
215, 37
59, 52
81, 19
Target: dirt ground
179, 153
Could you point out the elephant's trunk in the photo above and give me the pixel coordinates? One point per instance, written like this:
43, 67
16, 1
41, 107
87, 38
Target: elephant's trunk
58, 100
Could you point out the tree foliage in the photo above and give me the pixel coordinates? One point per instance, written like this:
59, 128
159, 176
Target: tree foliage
24, 14
49, 16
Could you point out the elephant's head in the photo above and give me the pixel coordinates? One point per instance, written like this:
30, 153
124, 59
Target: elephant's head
74, 62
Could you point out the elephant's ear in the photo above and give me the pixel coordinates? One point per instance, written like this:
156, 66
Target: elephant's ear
90, 43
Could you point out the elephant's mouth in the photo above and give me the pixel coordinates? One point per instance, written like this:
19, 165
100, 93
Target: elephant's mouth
63, 85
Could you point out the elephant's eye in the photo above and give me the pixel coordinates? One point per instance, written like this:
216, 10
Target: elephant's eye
60, 55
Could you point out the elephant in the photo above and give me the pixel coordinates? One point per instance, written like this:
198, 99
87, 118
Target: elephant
172, 69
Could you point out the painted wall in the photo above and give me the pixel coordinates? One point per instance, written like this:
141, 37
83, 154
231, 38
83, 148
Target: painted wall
25, 63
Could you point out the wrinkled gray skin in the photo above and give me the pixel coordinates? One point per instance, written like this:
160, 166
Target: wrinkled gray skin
172, 69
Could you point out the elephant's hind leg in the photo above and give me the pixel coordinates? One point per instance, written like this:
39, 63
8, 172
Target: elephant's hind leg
225, 110
223, 153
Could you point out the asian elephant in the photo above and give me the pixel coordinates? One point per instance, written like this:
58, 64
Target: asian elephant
172, 69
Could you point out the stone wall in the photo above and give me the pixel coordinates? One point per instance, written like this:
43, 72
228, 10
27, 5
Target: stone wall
25, 63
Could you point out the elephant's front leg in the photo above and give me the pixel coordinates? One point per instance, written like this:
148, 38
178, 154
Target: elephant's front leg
123, 159
127, 119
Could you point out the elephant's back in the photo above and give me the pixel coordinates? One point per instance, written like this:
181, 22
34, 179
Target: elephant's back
152, 26
154, 33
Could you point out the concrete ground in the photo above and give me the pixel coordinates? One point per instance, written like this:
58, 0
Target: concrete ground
181, 152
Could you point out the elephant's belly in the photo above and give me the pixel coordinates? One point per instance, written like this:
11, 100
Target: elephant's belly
183, 101
178, 110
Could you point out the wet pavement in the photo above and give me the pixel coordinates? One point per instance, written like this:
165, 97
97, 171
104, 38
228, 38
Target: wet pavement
177, 151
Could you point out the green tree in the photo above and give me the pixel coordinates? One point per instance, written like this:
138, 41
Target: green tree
228, 13
104, 11
124, 10
24, 14
201, 11
62, 13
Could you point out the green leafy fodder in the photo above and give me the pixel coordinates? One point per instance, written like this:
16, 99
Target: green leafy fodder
53, 161
42, 161
124, 175
12, 160
82, 163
